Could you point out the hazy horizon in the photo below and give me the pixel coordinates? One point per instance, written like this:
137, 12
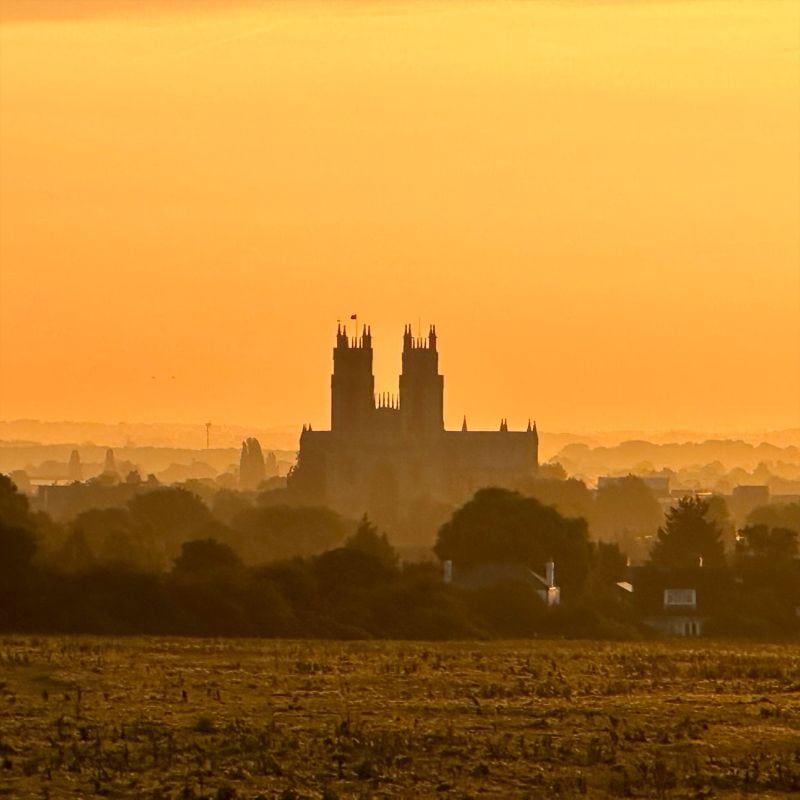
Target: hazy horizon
226, 434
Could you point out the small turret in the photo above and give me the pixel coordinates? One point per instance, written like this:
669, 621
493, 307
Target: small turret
464, 424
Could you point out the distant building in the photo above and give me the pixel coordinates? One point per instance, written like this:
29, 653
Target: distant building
65, 501
483, 576
678, 602
110, 465
387, 456
74, 468
745, 498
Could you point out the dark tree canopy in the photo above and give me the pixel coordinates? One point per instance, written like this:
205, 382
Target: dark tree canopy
17, 531
227, 503
498, 525
551, 471
175, 515
769, 547
608, 562
626, 506
367, 539
689, 537
17, 549
114, 536
719, 513
14, 509
252, 469
206, 557
346, 570
570, 497
777, 515
272, 533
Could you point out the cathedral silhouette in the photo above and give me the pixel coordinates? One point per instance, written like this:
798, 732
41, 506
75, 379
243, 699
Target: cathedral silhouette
391, 457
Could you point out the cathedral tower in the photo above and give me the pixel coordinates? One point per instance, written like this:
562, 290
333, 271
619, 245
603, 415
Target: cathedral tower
352, 382
421, 385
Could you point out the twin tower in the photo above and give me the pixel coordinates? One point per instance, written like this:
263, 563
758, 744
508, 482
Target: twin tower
391, 457
355, 408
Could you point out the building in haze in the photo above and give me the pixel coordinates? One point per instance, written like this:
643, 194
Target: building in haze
390, 456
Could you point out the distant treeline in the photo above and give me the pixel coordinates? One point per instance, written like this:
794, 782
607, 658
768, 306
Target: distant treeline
110, 572
167, 563
716, 465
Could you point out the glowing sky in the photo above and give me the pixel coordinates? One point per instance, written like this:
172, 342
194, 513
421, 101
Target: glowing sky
598, 203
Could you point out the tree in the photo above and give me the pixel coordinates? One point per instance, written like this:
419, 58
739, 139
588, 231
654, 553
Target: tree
551, 471
14, 507
271, 533
18, 529
608, 562
17, 549
228, 503
498, 525
251, 464
206, 558
174, 515
75, 555
345, 572
689, 538
719, 513
623, 507
777, 515
769, 576
116, 536
368, 540
570, 497
767, 547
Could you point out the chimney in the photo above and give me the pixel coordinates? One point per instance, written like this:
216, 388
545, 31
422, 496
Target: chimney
550, 573
448, 571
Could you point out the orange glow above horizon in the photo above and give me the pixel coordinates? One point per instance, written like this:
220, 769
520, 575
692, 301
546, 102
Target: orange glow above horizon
597, 204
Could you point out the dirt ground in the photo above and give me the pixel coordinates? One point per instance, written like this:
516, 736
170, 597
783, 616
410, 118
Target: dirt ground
188, 718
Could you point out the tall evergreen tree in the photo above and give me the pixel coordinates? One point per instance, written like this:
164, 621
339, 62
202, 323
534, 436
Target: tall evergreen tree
251, 464
368, 540
689, 537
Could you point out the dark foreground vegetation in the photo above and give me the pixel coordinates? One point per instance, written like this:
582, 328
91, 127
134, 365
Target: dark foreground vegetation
166, 565
173, 719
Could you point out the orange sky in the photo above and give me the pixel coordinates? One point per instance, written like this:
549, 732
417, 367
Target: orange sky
597, 203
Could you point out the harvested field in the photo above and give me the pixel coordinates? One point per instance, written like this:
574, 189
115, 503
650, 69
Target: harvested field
187, 718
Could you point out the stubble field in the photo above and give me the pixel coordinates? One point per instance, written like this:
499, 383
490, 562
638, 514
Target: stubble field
187, 718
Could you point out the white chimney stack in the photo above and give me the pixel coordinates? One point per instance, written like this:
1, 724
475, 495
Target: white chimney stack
550, 574
448, 571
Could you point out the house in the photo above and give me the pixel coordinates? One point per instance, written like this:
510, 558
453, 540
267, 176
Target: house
679, 602
482, 576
